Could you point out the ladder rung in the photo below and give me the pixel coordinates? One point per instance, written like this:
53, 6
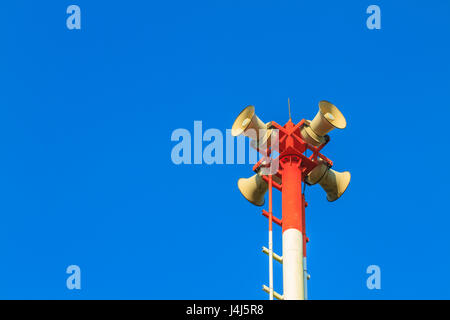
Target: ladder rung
274, 219
275, 256
276, 295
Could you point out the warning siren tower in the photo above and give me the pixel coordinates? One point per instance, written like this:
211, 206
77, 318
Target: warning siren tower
286, 173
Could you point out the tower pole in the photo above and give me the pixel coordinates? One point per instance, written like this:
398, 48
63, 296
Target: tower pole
292, 227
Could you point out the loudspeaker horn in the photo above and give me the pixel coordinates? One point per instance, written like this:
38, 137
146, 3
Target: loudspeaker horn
248, 124
333, 182
317, 173
267, 140
328, 118
254, 188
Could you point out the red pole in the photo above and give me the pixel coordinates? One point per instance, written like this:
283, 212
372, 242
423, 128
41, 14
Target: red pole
292, 194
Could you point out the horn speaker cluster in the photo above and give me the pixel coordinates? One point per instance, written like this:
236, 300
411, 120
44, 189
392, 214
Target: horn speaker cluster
314, 132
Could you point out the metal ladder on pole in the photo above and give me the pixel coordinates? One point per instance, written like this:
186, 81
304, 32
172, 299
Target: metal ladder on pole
269, 251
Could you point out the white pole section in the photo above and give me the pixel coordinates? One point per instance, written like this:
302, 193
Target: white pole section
293, 265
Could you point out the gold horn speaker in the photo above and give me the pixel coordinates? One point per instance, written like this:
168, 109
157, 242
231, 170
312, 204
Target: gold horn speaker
248, 124
328, 118
254, 188
267, 139
317, 173
333, 182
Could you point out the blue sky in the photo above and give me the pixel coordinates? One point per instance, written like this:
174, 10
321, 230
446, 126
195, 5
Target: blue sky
86, 117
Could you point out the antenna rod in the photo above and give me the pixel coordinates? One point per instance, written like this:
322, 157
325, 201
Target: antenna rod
289, 106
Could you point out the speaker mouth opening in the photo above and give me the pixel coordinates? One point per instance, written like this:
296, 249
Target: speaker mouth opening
346, 187
337, 119
249, 199
244, 115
